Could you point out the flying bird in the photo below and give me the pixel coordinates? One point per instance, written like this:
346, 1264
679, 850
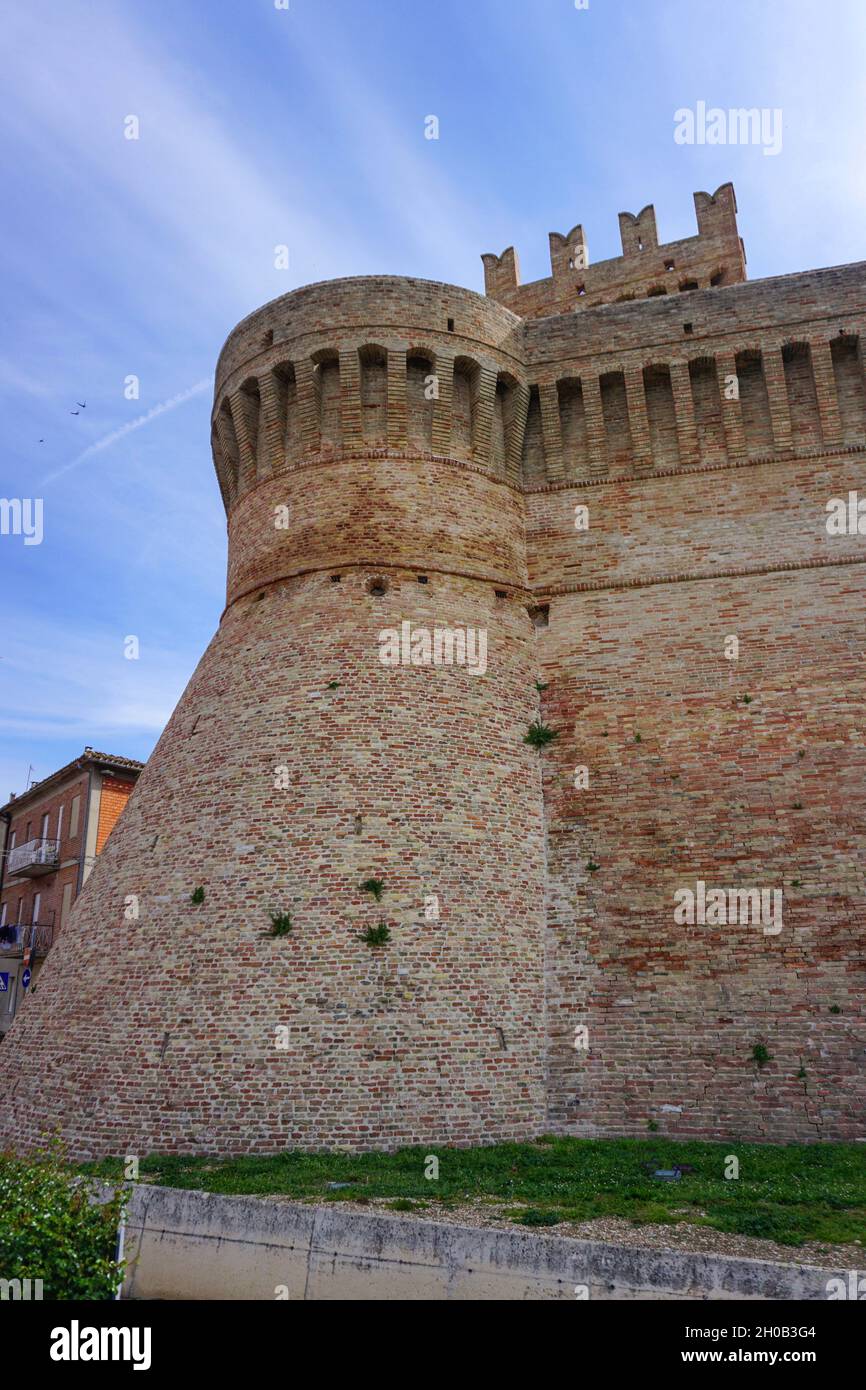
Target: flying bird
83, 404
75, 412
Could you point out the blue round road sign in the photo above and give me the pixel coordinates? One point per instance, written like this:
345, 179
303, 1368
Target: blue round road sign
25, 978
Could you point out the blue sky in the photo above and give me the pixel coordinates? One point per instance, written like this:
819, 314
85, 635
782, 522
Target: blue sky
305, 127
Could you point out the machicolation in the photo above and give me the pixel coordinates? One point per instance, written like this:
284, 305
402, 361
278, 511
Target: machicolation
607, 475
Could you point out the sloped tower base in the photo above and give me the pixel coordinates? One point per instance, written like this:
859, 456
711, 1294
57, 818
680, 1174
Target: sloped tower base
575, 514
296, 767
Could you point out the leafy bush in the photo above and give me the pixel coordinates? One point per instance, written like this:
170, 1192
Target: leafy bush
281, 924
51, 1230
539, 735
376, 886
761, 1055
377, 936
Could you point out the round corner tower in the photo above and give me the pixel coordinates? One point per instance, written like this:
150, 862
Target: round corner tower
359, 715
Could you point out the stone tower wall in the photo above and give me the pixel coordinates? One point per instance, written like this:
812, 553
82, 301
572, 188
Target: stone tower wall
610, 496
297, 766
704, 434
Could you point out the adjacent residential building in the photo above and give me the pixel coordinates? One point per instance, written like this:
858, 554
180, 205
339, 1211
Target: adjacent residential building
52, 834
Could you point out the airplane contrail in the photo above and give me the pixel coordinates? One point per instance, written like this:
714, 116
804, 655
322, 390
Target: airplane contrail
136, 424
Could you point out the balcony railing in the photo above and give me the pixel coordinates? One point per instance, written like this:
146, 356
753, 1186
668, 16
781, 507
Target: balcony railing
33, 858
40, 936
15, 937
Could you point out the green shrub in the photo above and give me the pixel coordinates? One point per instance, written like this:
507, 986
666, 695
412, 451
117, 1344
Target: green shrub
539, 735
534, 1216
376, 886
51, 1230
281, 923
377, 936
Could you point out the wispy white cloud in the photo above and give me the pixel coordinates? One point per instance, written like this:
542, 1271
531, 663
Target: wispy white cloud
430, 215
189, 191
13, 379
64, 689
306, 129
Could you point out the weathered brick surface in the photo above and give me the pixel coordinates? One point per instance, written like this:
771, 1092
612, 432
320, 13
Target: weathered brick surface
704, 431
644, 270
688, 782
168, 1040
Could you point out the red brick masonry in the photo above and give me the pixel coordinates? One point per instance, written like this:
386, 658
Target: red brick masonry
392, 429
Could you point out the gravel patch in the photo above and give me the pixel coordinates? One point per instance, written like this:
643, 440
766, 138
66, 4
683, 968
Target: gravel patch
679, 1236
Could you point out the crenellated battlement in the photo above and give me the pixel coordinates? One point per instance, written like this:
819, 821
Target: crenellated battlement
422, 370
619, 477
644, 270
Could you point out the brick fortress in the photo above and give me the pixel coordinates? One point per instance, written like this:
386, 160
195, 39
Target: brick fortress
396, 451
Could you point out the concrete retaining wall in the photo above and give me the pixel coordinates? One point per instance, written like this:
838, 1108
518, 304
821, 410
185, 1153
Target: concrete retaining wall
198, 1245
